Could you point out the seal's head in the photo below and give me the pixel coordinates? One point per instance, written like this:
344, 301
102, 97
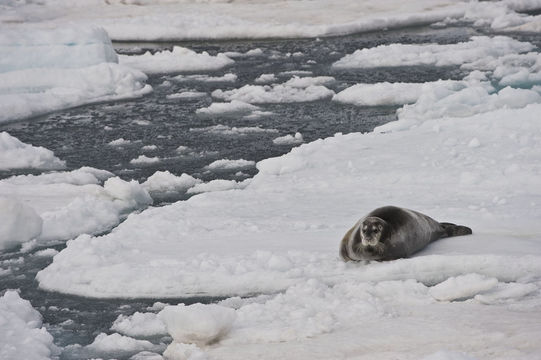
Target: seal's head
371, 231
366, 240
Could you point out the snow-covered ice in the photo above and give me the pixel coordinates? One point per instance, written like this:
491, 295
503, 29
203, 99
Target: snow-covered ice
479, 47
464, 151
229, 77
227, 164
145, 160
22, 332
187, 95
232, 107
14, 154
61, 205
180, 59
294, 90
233, 130
164, 181
289, 139
78, 66
189, 20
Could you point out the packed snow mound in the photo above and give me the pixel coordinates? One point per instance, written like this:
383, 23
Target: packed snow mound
21, 330
14, 154
179, 59
294, 90
20, 223
289, 139
67, 204
233, 107
479, 47
110, 346
462, 287
198, 323
139, 325
74, 67
164, 181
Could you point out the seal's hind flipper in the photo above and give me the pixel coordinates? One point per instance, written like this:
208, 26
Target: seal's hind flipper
455, 230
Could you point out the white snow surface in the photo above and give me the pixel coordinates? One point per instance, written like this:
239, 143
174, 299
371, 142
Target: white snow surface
14, 154
294, 90
21, 331
217, 19
43, 70
164, 181
227, 164
180, 59
232, 107
479, 47
61, 205
289, 139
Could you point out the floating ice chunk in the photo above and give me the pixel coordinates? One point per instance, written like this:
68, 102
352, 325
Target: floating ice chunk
218, 185
228, 130
21, 330
179, 59
206, 78
265, 79
253, 52
144, 160
235, 106
164, 181
130, 192
46, 253
149, 148
479, 47
380, 94
289, 139
226, 164
291, 91
198, 323
14, 154
119, 142
81, 176
111, 346
304, 82
462, 287
187, 95
139, 325
20, 223
25, 93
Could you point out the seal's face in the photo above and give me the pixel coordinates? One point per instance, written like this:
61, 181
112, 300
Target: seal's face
371, 230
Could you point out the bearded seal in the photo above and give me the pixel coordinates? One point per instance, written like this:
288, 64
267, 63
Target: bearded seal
391, 232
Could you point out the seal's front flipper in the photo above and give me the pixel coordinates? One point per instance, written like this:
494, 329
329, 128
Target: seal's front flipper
455, 230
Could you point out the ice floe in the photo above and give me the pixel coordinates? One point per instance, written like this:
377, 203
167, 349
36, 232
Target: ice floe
294, 90
14, 154
78, 67
289, 139
22, 331
179, 59
232, 107
233, 130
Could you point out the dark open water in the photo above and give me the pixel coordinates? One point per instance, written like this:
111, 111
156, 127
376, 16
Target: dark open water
80, 137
